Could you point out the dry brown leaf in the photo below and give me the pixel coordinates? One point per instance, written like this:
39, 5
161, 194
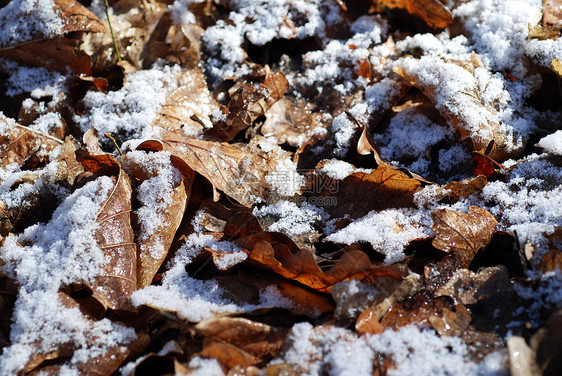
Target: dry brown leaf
228, 356
250, 99
276, 252
552, 13
115, 237
360, 192
434, 14
305, 302
291, 120
77, 17
189, 107
258, 339
235, 170
19, 143
54, 54
463, 234
132, 22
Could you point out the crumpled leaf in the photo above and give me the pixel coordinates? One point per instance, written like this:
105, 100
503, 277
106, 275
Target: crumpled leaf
292, 121
19, 143
552, 12
189, 107
278, 253
250, 99
361, 192
115, 237
432, 12
233, 169
463, 234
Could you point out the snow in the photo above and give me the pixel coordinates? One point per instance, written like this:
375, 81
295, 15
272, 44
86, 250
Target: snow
388, 231
155, 194
337, 169
290, 218
552, 143
414, 351
131, 109
25, 20
39, 82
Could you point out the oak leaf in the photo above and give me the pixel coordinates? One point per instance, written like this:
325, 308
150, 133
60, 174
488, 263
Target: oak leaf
463, 234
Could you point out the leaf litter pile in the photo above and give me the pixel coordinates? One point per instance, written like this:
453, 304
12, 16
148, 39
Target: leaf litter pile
280, 187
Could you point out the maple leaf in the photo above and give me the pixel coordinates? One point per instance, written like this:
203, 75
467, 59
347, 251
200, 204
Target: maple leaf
464, 234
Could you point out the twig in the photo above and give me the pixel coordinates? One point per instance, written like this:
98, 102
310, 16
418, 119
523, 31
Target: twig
111, 31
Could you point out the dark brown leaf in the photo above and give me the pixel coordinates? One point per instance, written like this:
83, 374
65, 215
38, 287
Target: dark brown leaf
463, 234
258, 339
77, 17
54, 54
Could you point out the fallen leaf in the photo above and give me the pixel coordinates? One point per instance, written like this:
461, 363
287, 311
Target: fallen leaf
463, 234
54, 54
276, 252
250, 99
292, 120
18, 143
228, 356
153, 249
74, 16
464, 109
432, 12
115, 237
260, 340
189, 107
235, 170
552, 13
361, 192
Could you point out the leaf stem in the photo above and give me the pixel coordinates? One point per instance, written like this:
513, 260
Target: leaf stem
112, 35
108, 135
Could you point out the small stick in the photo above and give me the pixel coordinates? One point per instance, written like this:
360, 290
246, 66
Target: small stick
40, 133
108, 135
